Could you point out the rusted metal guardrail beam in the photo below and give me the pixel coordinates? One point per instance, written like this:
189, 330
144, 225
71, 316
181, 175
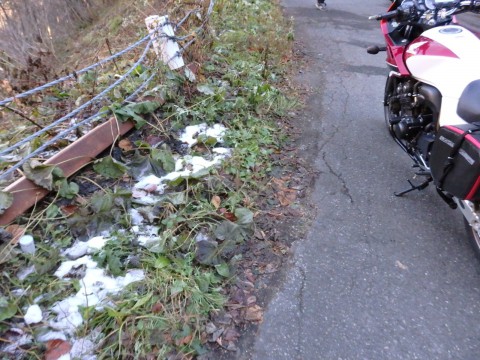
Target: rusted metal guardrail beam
70, 160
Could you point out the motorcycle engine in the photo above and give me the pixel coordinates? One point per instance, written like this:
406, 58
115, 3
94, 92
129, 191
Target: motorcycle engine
406, 116
411, 120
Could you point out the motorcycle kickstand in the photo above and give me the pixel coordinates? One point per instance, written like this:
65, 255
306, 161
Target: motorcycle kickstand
413, 187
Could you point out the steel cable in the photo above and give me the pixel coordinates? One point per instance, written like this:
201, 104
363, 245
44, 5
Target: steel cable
73, 75
65, 132
80, 108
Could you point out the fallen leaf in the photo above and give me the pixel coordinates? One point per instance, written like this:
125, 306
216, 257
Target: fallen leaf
17, 232
229, 216
69, 209
6, 200
287, 197
216, 201
110, 167
231, 335
39, 173
153, 140
238, 182
400, 265
254, 314
186, 340
210, 328
249, 275
251, 300
125, 145
231, 346
56, 349
284, 195
216, 335
157, 308
81, 200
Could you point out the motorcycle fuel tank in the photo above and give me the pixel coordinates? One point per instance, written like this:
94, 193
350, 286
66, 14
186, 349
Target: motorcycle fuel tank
448, 58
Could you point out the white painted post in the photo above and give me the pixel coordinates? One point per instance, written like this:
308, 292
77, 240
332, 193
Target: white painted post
167, 49
27, 244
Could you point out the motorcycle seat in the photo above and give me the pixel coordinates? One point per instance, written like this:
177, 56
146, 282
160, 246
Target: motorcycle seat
469, 103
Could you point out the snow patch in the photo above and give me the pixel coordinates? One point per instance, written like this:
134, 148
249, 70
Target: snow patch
83, 348
96, 287
33, 315
191, 133
81, 248
68, 266
51, 335
136, 217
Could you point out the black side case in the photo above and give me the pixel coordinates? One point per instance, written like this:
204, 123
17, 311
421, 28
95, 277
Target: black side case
455, 161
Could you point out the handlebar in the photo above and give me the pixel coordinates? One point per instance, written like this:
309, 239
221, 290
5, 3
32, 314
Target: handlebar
460, 6
386, 16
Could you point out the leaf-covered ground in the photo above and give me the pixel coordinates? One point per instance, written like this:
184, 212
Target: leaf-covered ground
166, 246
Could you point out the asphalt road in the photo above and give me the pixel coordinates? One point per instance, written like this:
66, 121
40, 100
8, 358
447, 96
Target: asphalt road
378, 277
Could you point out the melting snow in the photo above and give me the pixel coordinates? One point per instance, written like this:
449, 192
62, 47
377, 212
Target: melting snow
95, 288
191, 133
33, 315
51, 335
81, 248
136, 217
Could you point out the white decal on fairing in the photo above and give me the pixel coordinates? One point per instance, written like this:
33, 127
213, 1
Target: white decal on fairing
413, 49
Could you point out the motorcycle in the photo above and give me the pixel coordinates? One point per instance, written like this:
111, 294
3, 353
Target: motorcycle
432, 99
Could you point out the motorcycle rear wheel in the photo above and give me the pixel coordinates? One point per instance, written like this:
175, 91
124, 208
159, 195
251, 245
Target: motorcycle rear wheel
473, 237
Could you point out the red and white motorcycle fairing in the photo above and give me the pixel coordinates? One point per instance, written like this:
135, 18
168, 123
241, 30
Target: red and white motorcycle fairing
447, 58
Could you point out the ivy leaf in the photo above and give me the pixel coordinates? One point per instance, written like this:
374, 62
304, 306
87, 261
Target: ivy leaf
114, 264
228, 230
66, 189
207, 140
176, 198
133, 111
206, 89
110, 167
244, 217
6, 200
206, 252
165, 156
101, 202
7, 310
239, 230
141, 165
52, 211
40, 174
223, 270
161, 262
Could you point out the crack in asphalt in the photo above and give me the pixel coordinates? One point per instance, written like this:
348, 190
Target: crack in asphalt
345, 190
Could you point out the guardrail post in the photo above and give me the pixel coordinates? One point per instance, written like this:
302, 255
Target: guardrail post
165, 46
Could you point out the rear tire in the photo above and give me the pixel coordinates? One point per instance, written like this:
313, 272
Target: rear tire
473, 237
